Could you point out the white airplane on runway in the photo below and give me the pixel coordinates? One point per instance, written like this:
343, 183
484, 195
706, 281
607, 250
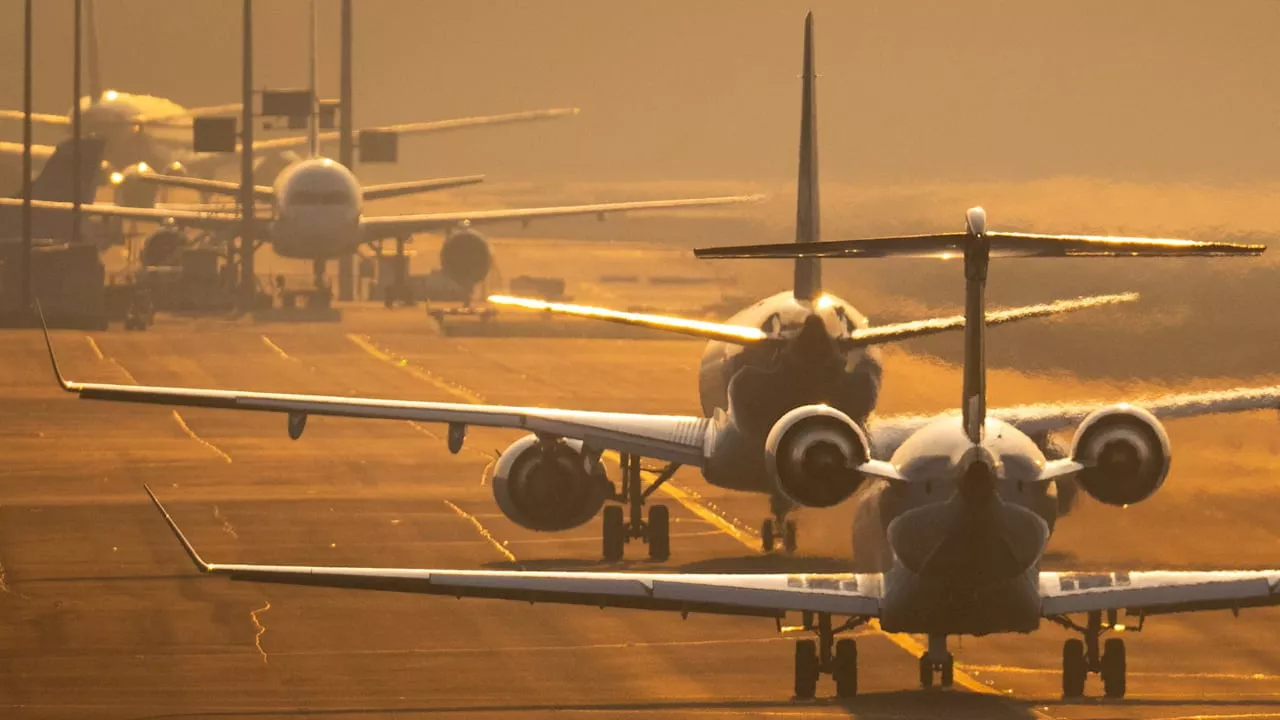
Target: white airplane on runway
963, 501
795, 350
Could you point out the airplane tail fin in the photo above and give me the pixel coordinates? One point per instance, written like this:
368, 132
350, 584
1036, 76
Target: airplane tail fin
313, 119
94, 70
808, 271
56, 178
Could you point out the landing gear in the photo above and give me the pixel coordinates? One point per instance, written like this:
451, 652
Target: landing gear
621, 525
777, 527
1083, 656
825, 655
937, 662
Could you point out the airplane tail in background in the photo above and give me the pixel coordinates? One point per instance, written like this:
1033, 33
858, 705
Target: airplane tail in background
56, 180
808, 271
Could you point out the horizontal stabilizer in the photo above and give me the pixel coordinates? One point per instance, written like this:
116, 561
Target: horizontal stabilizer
999, 244
390, 190
205, 185
736, 334
917, 328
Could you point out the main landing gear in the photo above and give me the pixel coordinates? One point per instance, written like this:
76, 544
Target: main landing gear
620, 527
826, 655
778, 527
937, 662
1083, 656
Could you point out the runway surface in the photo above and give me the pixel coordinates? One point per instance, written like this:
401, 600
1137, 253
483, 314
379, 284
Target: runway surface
101, 615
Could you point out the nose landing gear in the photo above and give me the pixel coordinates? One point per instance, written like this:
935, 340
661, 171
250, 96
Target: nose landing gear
778, 526
937, 661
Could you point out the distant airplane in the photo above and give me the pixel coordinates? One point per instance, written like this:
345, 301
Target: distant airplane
154, 132
965, 506
317, 206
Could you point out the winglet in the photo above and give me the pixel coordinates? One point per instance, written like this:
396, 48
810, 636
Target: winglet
53, 359
200, 564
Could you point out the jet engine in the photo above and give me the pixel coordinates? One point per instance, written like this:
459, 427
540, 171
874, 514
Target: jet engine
161, 247
1125, 452
130, 191
465, 258
546, 486
812, 452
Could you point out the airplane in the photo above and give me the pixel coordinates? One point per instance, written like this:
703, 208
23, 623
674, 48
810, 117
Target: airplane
145, 131
964, 505
795, 349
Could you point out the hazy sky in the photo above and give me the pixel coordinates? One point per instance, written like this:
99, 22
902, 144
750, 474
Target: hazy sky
708, 89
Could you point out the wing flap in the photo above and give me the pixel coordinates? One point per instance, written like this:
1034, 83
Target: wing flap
1157, 593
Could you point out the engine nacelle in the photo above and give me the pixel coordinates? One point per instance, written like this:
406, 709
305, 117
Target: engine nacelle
1125, 452
546, 486
465, 258
161, 247
811, 454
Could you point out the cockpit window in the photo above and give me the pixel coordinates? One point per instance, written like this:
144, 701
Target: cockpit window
319, 197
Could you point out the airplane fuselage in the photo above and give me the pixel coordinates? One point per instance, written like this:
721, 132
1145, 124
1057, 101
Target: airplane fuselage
960, 543
114, 116
750, 387
317, 210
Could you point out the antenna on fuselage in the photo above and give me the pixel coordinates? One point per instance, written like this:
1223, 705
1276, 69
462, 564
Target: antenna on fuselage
808, 271
313, 114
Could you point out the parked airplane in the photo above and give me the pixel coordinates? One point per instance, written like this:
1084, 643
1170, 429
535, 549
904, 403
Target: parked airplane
964, 506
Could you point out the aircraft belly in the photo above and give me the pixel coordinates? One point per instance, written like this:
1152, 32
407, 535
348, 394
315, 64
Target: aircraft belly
916, 604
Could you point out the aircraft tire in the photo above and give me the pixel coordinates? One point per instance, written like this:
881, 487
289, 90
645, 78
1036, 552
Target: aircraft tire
1113, 668
845, 670
613, 538
807, 669
1074, 669
767, 539
659, 533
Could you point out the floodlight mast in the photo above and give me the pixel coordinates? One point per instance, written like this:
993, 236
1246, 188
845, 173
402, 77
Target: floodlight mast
248, 280
346, 145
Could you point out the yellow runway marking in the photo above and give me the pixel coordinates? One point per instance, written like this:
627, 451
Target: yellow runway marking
465, 394
276, 348
484, 532
93, 345
192, 434
126, 372
255, 616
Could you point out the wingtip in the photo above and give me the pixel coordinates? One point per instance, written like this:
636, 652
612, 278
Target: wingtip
196, 560
48, 343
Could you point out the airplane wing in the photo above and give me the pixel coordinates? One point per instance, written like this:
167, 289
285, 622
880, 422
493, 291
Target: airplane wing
889, 432
741, 335
418, 128
40, 118
397, 225
188, 218
1157, 592
764, 595
205, 185
184, 118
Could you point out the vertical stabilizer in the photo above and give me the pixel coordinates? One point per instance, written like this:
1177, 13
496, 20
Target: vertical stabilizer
313, 119
94, 71
977, 256
808, 273
56, 180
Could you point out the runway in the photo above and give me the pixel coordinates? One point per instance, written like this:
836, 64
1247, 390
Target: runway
101, 615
